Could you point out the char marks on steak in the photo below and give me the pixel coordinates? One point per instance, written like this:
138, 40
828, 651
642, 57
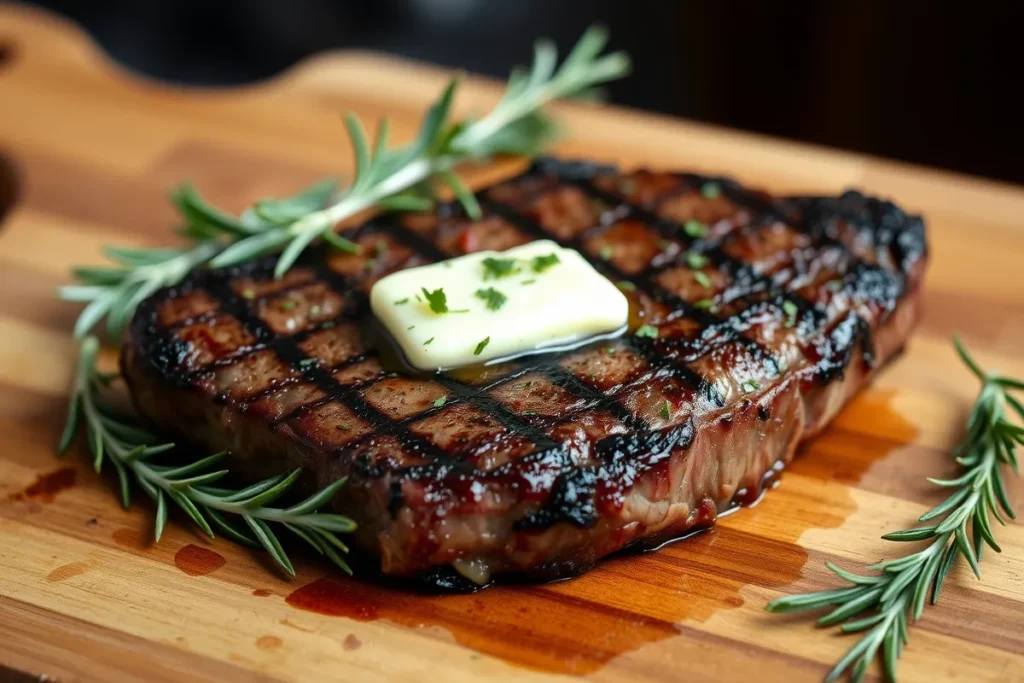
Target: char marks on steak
543, 465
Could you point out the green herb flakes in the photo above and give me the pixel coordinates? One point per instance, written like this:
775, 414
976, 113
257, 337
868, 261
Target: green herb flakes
492, 297
711, 190
695, 229
287, 305
402, 301
705, 305
696, 261
606, 253
481, 346
440, 401
750, 385
437, 300
626, 286
306, 362
497, 268
702, 279
248, 293
542, 263
647, 331
428, 341
528, 282
790, 309
666, 411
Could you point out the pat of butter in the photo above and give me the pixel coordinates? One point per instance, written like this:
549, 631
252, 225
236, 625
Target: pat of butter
544, 307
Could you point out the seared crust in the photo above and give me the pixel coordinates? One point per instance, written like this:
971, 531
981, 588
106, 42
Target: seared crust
544, 465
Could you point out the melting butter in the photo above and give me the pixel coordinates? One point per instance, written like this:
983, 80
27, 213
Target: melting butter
496, 305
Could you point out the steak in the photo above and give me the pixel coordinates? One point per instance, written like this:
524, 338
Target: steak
770, 314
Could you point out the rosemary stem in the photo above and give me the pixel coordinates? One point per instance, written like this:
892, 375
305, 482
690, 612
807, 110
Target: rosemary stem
503, 116
415, 172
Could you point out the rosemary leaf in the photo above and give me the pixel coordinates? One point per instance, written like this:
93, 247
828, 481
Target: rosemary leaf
463, 194
161, 516
269, 541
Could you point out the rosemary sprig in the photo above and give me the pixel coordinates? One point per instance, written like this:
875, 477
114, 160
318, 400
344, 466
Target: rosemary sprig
399, 178
117, 439
884, 604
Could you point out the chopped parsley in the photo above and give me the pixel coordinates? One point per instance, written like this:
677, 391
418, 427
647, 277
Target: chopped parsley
315, 309
528, 282
438, 402
750, 385
626, 286
287, 304
542, 263
248, 293
790, 309
437, 299
459, 310
342, 427
496, 268
695, 229
696, 261
418, 298
705, 304
606, 253
711, 190
610, 350
648, 331
306, 362
481, 346
702, 279
492, 297
666, 410
428, 341
379, 248
402, 301
410, 327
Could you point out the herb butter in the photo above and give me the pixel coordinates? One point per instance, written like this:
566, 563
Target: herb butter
489, 304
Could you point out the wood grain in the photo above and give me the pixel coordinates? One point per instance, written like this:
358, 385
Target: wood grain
84, 595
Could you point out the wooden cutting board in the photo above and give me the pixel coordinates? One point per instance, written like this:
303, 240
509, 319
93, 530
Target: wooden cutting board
89, 150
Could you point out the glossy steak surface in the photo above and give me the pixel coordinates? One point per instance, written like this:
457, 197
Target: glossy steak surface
758, 316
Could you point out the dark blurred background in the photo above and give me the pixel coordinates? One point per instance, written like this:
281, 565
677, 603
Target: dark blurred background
936, 83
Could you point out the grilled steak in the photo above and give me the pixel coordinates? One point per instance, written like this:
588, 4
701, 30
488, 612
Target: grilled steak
770, 312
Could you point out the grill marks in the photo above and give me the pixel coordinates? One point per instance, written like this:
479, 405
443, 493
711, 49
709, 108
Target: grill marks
742, 288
